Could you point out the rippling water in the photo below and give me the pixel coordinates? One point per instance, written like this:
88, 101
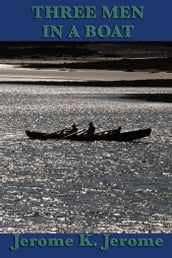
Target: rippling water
63, 186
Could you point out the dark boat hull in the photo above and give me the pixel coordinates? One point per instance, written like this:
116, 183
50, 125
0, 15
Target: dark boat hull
42, 136
128, 136
119, 137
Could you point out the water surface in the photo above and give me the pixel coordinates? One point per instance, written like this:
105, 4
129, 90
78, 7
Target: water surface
64, 186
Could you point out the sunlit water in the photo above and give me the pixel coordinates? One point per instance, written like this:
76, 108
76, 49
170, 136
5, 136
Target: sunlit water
64, 186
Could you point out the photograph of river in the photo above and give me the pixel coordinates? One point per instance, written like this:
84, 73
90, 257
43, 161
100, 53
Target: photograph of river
66, 185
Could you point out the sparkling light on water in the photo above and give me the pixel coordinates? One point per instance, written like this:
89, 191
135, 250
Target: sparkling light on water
63, 186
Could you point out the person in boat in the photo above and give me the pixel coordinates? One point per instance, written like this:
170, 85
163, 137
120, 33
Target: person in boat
91, 129
119, 129
116, 131
74, 129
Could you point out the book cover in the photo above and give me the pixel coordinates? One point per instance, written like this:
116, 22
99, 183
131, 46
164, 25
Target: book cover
86, 128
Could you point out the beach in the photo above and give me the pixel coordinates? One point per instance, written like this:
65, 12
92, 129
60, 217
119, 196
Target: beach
18, 73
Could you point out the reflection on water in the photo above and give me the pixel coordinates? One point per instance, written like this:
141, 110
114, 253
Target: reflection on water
63, 186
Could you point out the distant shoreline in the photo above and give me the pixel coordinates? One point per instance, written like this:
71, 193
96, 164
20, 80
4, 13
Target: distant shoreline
154, 64
88, 71
125, 64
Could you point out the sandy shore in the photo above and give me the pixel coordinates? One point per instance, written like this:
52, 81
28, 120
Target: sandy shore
27, 72
17, 73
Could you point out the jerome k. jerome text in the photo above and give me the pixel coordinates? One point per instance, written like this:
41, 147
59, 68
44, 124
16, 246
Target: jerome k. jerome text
102, 241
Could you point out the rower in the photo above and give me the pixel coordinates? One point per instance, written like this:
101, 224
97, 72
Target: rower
115, 131
119, 129
73, 130
91, 129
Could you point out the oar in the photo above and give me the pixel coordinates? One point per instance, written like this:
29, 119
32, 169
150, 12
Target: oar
46, 134
81, 131
72, 134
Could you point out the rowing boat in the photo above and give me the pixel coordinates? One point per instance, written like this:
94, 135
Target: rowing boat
102, 136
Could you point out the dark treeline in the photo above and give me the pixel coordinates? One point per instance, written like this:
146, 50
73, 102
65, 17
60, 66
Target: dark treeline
84, 49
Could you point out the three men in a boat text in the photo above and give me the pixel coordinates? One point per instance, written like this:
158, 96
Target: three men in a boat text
103, 241
87, 31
